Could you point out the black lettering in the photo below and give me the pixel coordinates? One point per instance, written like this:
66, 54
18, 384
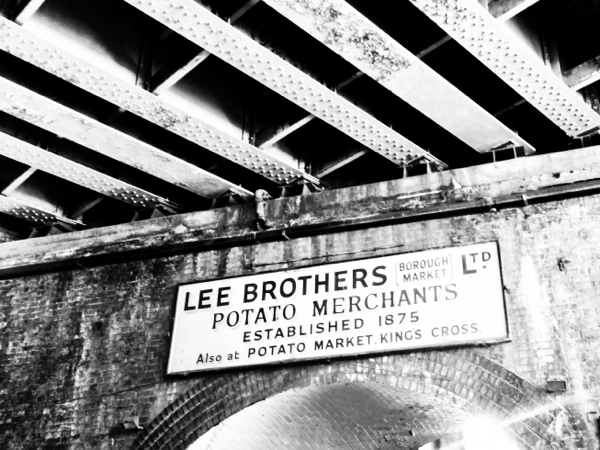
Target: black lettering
403, 298
268, 288
452, 292
390, 299
324, 283
236, 317
260, 315
421, 294
337, 307
339, 279
218, 317
250, 293
358, 276
286, 315
354, 301
319, 310
367, 301
274, 309
292, 290
187, 307
304, 280
464, 264
377, 273
435, 291
204, 297
222, 295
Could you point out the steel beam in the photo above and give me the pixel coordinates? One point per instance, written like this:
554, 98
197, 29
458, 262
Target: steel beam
503, 10
269, 137
583, 75
14, 184
178, 68
175, 70
28, 47
208, 31
23, 210
433, 47
78, 174
487, 39
278, 134
359, 41
26, 9
62, 121
341, 163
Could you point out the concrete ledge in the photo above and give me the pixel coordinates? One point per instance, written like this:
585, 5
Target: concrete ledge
457, 192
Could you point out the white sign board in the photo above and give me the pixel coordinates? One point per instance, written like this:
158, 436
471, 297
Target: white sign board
432, 298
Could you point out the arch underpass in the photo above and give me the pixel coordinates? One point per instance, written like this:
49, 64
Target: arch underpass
398, 401
337, 416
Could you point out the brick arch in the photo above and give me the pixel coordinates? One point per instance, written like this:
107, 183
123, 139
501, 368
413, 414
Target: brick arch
468, 380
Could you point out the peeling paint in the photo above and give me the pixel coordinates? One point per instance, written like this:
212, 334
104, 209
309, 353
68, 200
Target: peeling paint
165, 116
340, 29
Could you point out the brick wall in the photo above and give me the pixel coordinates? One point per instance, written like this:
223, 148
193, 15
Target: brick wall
84, 348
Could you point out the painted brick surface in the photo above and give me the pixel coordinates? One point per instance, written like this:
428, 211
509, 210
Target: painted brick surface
84, 350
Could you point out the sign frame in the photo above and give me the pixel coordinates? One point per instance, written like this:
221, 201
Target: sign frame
365, 353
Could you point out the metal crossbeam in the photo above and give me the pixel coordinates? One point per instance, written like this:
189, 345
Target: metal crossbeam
269, 137
338, 164
14, 184
206, 30
175, 70
26, 9
23, 210
487, 39
359, 41
28, 47
178, 68
583, 75
76, 173
503, 10
51, 116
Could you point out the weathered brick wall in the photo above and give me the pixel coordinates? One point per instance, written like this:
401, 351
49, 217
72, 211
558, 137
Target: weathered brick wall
83, 349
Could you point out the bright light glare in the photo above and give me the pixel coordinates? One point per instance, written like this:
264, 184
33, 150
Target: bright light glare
485, 434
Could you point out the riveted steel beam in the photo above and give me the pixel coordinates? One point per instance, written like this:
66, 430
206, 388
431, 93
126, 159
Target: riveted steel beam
23, 210
28, 47
208, 31
487, 39
359, 41
76, 173
51, 116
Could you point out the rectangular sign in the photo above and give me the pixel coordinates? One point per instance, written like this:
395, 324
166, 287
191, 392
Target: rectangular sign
425, 299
